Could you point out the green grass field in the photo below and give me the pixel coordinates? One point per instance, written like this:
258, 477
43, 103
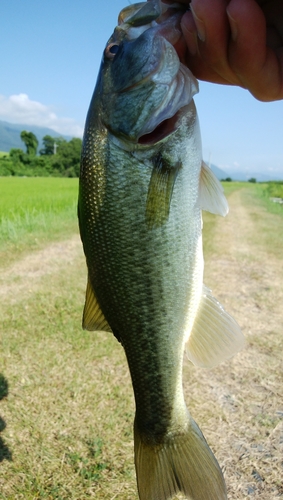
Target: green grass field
66, 402
36, 210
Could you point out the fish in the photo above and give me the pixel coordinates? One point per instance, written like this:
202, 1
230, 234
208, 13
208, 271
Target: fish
142, 188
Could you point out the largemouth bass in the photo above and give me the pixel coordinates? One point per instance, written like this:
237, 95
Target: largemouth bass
142, 188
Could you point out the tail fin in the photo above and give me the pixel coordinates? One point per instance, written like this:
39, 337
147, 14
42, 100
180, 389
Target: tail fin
183, 463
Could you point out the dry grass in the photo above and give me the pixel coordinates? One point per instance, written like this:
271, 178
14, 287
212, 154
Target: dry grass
69, 397
66, 399
245, 272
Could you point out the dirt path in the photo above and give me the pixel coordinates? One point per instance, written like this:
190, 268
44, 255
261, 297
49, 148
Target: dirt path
24, 277
243, 273
241, 402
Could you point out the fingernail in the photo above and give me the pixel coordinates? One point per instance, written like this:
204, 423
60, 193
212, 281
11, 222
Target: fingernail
200, 25
233, 26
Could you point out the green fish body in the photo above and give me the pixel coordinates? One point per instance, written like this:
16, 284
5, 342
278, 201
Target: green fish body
142, 188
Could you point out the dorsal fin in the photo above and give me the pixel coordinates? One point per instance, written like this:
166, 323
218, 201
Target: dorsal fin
211, 197
215, 335
93, 317
160, 191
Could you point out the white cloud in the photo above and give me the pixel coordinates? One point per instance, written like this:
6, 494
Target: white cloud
21, 109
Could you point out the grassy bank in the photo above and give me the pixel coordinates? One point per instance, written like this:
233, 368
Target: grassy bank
268, 193
256, 194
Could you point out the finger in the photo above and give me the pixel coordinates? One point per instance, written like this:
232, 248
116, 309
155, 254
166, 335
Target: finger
213, 27
258, 67
190, 33
194, 60
209, 19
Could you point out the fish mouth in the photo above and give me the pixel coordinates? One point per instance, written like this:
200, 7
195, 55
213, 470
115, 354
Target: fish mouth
160, 85
166, 20
183, 86
166, 118
170, 28
162, 130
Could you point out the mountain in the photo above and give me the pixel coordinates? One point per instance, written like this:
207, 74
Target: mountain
10, 135
237, 175
220, 174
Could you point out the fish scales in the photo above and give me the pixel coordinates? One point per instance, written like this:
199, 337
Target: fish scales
140, 221
148, 303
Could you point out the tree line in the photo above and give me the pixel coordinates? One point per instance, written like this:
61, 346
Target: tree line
58, 157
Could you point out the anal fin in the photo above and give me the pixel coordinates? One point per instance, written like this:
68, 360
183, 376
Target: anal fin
215, 335
93, 317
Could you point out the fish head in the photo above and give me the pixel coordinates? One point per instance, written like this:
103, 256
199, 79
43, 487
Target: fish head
143, 84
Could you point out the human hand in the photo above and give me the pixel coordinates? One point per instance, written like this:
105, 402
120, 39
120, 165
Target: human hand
236, 42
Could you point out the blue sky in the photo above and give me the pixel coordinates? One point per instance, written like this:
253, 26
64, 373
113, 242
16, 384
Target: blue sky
50, 56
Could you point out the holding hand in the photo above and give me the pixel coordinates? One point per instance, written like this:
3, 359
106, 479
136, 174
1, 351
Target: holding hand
236, 42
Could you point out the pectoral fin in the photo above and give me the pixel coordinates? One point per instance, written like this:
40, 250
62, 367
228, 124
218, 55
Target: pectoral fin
211, 197
160, 192
93, 317
215, 335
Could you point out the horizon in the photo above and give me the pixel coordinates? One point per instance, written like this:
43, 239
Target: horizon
235, 174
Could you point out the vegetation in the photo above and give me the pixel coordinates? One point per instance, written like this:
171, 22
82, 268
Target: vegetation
66, 402
271, 195
57, 158
35, 210
30, 141
274, 189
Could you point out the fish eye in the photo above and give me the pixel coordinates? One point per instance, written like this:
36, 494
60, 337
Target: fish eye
111, 50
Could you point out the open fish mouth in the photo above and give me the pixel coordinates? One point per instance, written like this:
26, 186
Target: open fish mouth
164, 21
162, 130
